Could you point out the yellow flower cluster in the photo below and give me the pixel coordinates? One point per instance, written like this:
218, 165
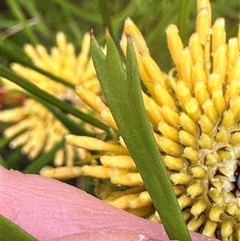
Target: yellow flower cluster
33, 126
195, 114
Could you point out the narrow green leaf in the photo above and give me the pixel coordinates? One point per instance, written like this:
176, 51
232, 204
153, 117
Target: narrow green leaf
99, 57
22, 59
3, 162
78, 11
33, 11
129, 10
14, 158
106, 17
9, 231
122, 90
6, 24
87, 184
17, 11
4, 142
74, 127
32, 88
12, 51
141, 144
159, 30
73, 25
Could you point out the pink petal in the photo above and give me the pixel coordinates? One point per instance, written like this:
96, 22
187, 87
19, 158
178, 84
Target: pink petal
50, 209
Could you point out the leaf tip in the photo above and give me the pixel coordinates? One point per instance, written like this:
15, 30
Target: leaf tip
128, 36
91, 33
107, 31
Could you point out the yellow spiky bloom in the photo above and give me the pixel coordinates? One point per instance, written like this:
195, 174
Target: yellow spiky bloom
195, 114
33, 126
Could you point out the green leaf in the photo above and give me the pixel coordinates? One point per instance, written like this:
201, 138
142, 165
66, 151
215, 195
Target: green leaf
122, 90
106, 17
11, 232
3, 162
13, 52
4, 142
21, 58
78, 11
13, 159
17, 11
74, 127
33, 10
32, 88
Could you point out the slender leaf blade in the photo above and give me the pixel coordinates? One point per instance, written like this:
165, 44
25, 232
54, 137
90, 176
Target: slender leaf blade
122, 90
32, 88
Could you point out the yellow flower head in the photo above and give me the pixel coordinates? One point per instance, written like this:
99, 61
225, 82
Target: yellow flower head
33, 126
195, 114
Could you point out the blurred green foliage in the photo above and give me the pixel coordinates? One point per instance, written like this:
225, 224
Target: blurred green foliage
75, 17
